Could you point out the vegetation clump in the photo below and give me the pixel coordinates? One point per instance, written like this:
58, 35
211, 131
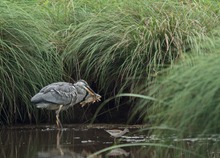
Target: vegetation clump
28, 60
115, 45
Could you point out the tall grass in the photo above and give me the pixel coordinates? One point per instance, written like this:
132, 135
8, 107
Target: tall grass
187, 97
27, 60
114, 45
122, 45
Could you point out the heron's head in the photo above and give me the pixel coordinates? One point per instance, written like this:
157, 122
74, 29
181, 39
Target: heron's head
83, 84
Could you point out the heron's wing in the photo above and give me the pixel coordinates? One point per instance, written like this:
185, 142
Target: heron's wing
59, 86
57, 93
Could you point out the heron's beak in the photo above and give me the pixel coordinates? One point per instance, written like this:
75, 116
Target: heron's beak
91, 92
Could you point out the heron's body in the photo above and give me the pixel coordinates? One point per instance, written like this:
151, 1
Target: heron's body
62, 95
59, 93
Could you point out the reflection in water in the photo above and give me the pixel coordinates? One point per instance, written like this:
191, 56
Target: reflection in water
118, 152
78, 142
48, 142
59, 151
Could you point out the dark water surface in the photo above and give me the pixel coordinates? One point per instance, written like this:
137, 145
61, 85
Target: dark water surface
80, 141
75, 141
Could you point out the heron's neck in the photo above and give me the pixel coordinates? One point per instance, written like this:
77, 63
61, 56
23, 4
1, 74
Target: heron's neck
81, 94
84, 98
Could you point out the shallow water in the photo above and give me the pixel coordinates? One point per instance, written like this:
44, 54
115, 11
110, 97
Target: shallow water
74, 141
80, 141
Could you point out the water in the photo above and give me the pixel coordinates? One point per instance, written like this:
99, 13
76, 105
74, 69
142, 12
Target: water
80, 141
75, 141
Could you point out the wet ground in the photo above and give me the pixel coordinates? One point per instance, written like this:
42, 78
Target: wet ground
80, 141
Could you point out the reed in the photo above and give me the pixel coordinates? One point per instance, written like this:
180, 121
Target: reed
124, 44
121, 46
28, 60
187, 97
115, 45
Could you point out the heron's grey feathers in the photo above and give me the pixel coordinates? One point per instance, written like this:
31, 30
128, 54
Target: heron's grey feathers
62, 95
59, 93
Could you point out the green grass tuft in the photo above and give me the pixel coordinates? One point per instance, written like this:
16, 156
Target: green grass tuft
115, 45
122, 45
188, 97
28, 60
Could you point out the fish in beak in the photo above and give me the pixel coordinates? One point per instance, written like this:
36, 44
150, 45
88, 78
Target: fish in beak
92, 97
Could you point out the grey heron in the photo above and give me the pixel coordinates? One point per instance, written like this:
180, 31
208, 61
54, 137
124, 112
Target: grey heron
60, 96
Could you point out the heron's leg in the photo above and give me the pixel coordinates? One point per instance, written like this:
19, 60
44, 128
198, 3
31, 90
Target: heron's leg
59, 125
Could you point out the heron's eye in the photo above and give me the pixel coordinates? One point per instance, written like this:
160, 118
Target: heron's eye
83, 82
